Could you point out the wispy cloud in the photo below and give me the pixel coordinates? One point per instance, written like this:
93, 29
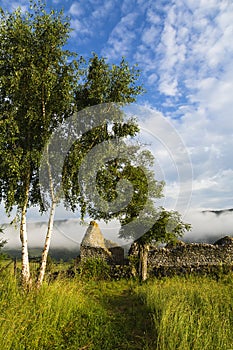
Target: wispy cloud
122, 38
88, 18
11, 6
76, 9
191, 65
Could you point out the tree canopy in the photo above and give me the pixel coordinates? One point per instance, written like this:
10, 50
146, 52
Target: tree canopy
36, 84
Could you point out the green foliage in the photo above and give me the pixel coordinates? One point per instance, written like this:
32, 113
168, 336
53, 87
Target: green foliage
104, 83
135, 168
114, 86
164, 226
36, 84
93, 269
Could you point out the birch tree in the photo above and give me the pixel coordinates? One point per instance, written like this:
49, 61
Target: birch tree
101, 84
37, 81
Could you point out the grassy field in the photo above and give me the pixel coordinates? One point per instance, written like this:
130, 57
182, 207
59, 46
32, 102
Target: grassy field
176, 313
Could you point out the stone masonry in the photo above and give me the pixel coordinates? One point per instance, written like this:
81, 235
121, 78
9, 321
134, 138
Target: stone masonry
173, 259
191, 257
95, 245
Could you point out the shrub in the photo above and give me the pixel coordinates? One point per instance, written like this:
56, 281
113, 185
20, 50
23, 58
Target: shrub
94, 268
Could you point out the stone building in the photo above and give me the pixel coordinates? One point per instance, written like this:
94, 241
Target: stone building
95, 245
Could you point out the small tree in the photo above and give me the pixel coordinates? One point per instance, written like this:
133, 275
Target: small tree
166, 226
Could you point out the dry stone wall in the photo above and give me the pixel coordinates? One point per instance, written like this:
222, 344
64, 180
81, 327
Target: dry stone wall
184, 258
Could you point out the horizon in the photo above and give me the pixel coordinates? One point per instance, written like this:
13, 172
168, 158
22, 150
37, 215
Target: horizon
68, 233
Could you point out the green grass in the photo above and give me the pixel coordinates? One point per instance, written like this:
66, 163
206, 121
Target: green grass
193, 313
70, 314
177, 313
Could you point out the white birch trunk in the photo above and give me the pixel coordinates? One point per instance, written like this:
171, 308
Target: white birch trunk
50, 226
143, 260
25, 272
46, 245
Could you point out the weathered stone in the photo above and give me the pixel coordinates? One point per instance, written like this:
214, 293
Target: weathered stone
95, 245
189, 257
117, 255
109, 244
93, 237
175, 244
224, 241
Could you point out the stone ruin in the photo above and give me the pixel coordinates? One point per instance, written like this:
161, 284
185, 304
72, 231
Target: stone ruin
173, 259
95, 245
182, 258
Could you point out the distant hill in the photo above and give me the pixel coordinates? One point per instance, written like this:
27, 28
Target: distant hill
218, 211
55, 253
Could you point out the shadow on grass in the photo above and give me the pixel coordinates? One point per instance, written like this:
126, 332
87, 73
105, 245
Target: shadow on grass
130, 319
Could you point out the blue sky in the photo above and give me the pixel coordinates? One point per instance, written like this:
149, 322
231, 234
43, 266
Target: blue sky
184, 49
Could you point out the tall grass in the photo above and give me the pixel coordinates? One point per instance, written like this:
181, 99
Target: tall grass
191, 314
177, 313
59, 316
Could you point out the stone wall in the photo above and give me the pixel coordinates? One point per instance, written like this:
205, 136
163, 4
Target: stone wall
183, 258
173, 259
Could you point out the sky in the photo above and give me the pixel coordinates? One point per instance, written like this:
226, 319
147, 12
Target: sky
184, 49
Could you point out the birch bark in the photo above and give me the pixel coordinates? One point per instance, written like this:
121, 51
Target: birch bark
143, 261
25, 272
50, 225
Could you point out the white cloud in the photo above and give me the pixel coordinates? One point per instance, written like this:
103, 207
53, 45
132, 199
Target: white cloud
208, 226
168, 85
172, 161
149, 35
192, 42
80, 28
76, 9
12, 6
104, 10
88, 18
194, 61
122, 38
128, 6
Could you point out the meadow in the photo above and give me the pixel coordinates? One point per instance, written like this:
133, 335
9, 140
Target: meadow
101, 314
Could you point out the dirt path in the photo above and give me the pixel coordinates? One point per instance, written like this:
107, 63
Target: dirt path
131, 318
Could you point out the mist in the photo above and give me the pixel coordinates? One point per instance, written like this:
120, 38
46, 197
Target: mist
67, 233
209, 226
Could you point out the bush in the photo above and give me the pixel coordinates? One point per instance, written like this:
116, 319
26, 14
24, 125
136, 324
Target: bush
94, 268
